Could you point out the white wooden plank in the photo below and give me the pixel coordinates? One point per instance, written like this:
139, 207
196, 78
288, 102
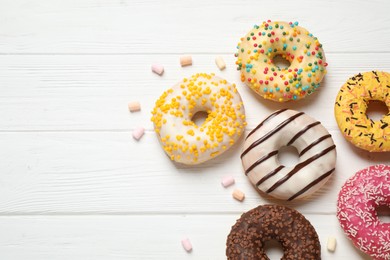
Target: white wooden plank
73, 182
152, 26
139, 237
91, 92
109, 172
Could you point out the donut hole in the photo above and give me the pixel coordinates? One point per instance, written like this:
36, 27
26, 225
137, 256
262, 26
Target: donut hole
376, 110
273, 249
280, 62
383, 213
288, 156
199, 117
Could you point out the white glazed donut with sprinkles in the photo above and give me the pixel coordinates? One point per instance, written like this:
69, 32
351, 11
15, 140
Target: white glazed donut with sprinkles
181, 138
256, 51
358, 200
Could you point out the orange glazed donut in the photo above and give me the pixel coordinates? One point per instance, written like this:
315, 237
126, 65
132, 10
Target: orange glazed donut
350, 111
257, 50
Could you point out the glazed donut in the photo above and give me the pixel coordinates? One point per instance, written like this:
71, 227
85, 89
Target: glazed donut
256, 51
358, 200
350, 111
317, 155
272, 222
181, 138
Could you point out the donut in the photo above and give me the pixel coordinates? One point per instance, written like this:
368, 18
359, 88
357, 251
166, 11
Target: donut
272, 222
357, 202
257, 50
183, 140
315, 146
350, 111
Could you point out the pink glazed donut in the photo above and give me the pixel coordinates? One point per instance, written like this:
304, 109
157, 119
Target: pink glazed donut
358, 200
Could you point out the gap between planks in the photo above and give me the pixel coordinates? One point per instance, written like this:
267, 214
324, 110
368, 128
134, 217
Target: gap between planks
147, 131
141, 213
157, 53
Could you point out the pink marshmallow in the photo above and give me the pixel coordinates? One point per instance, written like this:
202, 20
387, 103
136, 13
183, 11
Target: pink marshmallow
158, 69
138, 133
186, 243
227, 181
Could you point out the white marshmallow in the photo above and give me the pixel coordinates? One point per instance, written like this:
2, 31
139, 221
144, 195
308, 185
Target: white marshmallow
220, 63
331, 245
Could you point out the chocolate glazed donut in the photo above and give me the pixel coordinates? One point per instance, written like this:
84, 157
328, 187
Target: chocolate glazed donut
272, 222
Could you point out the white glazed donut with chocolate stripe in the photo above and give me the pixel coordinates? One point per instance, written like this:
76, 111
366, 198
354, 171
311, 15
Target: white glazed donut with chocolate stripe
317, 155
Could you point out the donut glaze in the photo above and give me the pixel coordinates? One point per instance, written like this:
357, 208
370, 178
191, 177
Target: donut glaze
317, 155
350, 111
272, 222
256, 51
358, 200
181, 138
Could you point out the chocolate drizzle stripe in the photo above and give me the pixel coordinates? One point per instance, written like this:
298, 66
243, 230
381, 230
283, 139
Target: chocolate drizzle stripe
269, 175
298, 167
319, 140
265, 120
262, 159
302, 132
269, 134
311, 184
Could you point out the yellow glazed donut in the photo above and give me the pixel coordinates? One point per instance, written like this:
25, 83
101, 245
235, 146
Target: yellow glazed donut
350, 111
256, 51
181, 138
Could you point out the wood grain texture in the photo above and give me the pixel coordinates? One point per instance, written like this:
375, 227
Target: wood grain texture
74, 184
109, 172
139, 237
128, 26
72, 92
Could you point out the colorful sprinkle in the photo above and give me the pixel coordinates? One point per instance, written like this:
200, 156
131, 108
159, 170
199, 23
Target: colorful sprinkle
297, 46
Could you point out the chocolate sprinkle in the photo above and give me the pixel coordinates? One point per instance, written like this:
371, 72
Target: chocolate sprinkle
362, 126
362, 131
272, 222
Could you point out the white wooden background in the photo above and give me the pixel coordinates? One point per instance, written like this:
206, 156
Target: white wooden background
73, 182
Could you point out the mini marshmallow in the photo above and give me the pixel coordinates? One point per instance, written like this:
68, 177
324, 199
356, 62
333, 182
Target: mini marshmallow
238, 195
185, 61
158, 69
331, 245
186, 243
138, 133
227, 181
220, 63
134, 106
